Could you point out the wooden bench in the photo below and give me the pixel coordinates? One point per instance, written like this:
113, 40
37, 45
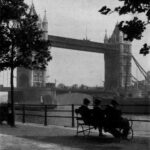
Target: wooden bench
82, 127
85, 129
131, 132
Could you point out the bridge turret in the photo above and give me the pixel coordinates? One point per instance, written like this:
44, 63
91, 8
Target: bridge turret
118, 66
45, 27
39, 23
33, 78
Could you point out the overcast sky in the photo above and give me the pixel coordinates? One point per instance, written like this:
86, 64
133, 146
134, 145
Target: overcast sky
78, 19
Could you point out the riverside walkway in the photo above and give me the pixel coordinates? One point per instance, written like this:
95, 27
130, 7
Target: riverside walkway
38, 137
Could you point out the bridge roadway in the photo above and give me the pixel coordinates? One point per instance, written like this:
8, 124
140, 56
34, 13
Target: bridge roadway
82, 45
93, 92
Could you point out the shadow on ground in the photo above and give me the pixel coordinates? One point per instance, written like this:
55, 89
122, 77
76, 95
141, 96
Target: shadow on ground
84, 143
65, 137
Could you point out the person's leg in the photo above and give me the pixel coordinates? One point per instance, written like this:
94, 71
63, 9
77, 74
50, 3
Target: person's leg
107, 125
100, 127
125, 126
112, 128
115, 132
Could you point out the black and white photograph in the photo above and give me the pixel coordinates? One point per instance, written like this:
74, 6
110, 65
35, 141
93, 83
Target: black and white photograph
74, 74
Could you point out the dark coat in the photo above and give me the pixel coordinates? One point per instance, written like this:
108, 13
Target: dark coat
85, 113
98, 116
115, 120
112, 115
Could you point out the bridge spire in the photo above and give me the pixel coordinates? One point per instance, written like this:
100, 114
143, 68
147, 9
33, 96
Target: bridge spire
45, 17
32, 10
86, 35
106, 37
45, 26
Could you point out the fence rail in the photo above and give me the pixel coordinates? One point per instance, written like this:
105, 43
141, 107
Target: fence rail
42, 111
26, 110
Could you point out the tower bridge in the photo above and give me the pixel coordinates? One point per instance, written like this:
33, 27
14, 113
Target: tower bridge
117, 58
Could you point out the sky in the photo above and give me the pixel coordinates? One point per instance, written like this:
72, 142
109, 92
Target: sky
78, 19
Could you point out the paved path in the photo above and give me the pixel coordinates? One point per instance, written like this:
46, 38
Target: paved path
39, 137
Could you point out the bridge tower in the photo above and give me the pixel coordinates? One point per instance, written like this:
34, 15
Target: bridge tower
117, 63
33, 78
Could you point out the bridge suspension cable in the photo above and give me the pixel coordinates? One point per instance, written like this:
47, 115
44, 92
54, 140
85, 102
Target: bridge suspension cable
141, 69
134, 77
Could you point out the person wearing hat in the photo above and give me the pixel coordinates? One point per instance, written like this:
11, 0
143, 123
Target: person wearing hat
114, 120
85, 111
98, 115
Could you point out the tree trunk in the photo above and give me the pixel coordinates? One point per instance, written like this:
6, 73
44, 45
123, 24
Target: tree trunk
12, 115
12, 119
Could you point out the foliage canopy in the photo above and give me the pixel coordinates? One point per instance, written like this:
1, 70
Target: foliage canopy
21, 42
135, 27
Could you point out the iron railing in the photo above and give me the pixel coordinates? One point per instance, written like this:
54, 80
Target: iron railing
43, 111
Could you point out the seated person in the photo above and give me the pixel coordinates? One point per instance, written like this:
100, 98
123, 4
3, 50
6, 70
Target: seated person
114, 120
98, 115
85, 112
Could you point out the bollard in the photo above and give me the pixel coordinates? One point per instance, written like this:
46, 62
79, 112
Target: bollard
73, 115
23, 113
45, 116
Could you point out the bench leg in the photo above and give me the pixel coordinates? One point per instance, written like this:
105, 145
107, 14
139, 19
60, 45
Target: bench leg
84, 129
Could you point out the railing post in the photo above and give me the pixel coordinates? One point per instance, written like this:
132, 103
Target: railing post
23, 113
45, 115
73, 125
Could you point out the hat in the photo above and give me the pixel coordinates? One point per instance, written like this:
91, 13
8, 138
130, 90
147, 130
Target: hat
114, 102
86, 101
97, 101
